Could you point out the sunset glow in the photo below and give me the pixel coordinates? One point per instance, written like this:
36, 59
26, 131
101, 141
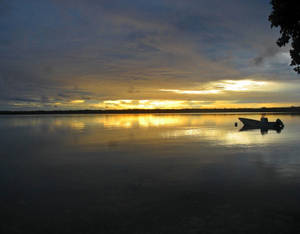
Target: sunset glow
243, 85
227, 85
141, 57
213, 91
141, 104
77, 101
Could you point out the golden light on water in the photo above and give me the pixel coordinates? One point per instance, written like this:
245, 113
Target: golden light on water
142, 121
77, 125
213, 129
102, 129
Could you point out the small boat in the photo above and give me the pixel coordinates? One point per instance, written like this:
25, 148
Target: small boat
262, 123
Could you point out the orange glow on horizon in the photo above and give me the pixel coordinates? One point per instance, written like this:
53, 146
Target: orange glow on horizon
126, 104
181, 104
77, 101
243, 93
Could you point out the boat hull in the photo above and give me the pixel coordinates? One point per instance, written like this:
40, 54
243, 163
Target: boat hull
252, 123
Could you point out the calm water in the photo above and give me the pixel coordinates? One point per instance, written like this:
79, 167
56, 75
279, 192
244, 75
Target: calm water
156, 173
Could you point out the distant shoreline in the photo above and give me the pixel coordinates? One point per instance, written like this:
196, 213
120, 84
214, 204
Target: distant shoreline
292, 110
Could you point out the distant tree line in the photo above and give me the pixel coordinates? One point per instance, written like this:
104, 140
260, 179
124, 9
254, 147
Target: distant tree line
145, 111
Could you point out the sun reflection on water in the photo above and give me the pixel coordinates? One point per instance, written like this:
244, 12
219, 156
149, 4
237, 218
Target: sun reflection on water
217, 129
143, 121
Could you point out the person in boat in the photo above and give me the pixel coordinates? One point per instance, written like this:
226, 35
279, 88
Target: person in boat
264, 121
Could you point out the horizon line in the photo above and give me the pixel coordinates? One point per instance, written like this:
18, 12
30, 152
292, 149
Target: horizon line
158, 110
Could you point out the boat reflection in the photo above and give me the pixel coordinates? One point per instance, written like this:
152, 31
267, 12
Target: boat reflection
263, 130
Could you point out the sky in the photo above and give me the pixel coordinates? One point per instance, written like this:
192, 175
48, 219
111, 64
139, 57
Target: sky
125, 54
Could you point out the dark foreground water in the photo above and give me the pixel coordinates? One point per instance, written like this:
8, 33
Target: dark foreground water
173, 173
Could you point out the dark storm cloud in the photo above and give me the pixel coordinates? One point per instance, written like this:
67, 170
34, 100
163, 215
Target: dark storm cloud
267, 53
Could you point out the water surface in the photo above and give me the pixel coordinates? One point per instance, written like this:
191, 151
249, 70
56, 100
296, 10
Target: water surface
154, 173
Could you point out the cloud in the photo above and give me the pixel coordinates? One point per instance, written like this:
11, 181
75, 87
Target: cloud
60, 51
269, 52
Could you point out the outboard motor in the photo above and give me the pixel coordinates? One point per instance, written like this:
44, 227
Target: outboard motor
279, 123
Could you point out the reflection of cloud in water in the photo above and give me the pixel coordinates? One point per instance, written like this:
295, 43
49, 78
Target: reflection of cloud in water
217, 129
176, 133
222, 136
77, 125
285, 160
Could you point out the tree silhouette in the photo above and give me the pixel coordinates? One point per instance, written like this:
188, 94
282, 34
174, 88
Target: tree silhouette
286, 15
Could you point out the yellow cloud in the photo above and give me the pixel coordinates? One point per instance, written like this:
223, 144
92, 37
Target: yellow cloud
227, 85
242, 85
212, 91
77, 101
180, 104
141, 104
